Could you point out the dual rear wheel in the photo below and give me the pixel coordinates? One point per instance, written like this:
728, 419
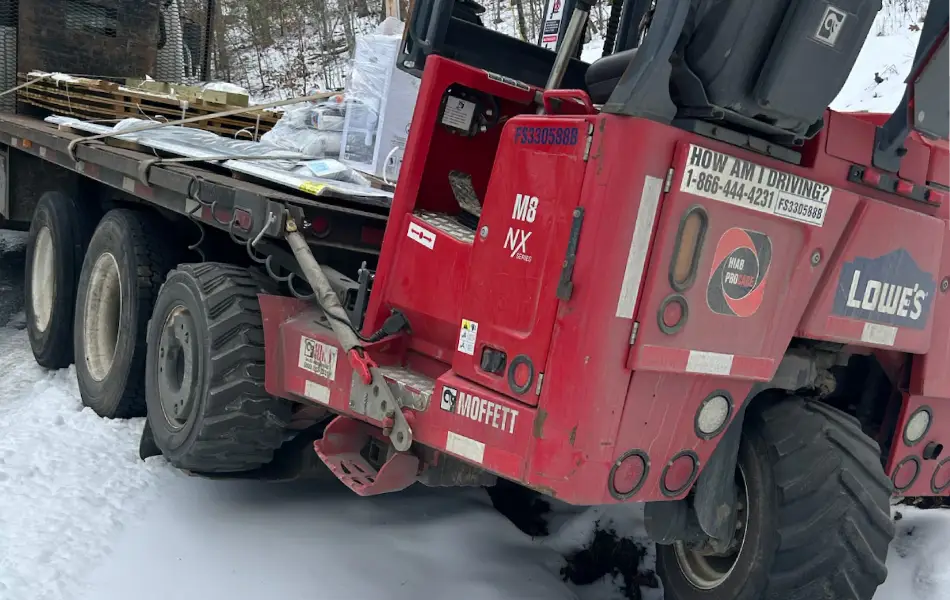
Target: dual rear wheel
183, 346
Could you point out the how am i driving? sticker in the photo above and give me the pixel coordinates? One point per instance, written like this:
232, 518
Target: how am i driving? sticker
732, 180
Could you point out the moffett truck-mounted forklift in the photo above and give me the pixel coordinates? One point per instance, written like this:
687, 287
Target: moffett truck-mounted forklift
672, 276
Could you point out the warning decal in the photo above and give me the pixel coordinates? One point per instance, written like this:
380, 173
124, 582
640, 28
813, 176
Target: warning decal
318, 358
468, 334
728, 179
739, 273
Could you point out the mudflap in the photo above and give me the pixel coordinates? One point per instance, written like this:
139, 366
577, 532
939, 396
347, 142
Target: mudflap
364, 460
147, 446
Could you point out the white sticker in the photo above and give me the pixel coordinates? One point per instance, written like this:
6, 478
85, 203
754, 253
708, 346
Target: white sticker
465, 447
317, 392
128, 184
467, 337
318, 358
883, 335
450, 397
421, 234
458, 113
732, 180
830, 27
709, 363
552, 23
639, 246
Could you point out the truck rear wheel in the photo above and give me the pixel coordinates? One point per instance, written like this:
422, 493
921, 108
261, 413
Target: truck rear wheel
207, 406
59, 234
123, 270
814, 514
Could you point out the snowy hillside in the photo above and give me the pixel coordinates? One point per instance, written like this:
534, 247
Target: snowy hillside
290, 58
877, 80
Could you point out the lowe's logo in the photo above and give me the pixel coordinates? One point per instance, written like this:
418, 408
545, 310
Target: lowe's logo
890, 289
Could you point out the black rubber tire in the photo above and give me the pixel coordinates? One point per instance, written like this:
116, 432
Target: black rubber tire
229, 422
70, 227
819, 511
144, 256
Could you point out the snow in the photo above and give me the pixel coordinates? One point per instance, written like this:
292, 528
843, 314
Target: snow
918, 561
292, 541
82, 518
877, 80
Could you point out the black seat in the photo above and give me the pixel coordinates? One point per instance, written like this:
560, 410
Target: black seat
604, 73
767, 65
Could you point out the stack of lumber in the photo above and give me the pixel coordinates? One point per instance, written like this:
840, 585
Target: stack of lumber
101, 100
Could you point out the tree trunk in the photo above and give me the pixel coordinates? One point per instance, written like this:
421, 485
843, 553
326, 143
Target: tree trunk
522, 27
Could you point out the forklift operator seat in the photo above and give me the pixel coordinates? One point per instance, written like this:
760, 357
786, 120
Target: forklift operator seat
769, 64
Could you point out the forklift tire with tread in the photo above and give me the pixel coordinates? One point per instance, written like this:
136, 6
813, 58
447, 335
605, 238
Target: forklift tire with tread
59, 233
207, 406
125, 265
818, 513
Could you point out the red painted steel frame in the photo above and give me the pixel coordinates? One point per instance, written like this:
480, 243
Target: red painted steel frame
602, 397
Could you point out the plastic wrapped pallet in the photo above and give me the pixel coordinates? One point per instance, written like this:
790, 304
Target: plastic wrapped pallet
313, 129
380, 100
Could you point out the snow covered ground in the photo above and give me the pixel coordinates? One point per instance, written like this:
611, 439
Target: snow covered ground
82, 518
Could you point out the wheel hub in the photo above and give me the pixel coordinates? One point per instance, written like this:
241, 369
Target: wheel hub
101, 318
176, 370
42, 282
705, 568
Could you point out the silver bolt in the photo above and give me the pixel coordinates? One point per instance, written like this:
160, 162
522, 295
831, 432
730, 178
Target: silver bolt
483, 232
920, 116
815, 257
409, 64
945, 285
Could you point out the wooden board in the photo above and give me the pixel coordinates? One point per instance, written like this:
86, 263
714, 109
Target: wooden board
93, 99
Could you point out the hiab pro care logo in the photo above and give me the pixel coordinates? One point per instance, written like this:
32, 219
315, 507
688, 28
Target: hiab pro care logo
740, 270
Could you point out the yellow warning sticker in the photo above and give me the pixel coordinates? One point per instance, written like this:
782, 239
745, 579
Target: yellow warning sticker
311, 187
467, 337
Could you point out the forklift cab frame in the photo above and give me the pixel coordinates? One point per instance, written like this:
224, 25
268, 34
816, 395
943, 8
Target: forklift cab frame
756, 90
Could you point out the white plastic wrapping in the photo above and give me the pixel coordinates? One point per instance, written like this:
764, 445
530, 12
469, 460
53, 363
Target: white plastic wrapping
313, 129
325, 177
379, 103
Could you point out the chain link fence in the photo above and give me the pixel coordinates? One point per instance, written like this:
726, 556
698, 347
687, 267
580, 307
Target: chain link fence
8, 25
185, 41
168, 40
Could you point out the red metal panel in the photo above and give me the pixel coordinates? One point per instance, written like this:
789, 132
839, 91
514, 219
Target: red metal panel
754, 277
586, 380
660, 417
939, 433
477, 425
880, 288
421, 280
431, 152
510, 300
931, 373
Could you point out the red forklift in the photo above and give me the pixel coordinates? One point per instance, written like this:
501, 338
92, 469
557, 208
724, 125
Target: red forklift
672, 276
